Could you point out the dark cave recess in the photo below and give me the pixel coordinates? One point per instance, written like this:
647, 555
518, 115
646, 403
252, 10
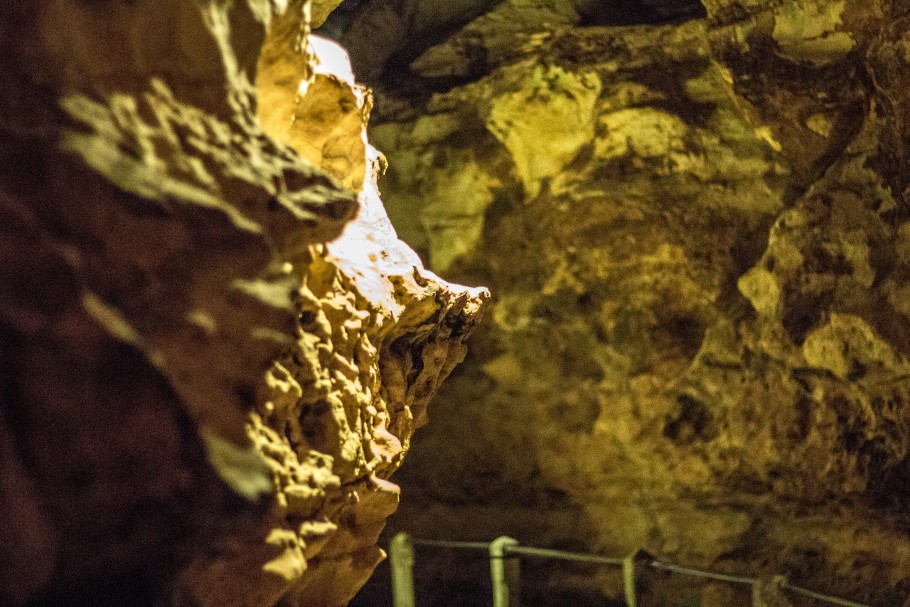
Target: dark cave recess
638, 12
590, 12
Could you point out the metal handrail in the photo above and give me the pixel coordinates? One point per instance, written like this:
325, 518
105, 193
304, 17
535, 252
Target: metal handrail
823, 597
723, 577
452, 544
563, 555
504, 570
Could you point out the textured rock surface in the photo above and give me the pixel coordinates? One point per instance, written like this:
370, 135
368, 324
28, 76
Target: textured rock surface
207, 370
697, 238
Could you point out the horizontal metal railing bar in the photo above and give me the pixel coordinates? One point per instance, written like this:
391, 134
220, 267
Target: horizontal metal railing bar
451, 544
824, 597
654, 564
562, 555
736, 579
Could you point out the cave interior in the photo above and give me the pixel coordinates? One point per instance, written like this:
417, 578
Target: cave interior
237, 357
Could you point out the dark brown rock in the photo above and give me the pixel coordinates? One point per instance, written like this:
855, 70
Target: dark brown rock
164, 261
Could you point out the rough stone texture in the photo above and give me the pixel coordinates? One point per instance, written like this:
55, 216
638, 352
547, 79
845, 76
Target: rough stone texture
698, 239
207, 370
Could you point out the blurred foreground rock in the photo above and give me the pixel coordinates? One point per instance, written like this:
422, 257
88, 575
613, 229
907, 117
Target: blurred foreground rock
213, 348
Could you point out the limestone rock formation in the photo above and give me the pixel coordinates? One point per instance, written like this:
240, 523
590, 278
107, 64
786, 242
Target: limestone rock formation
213, 347
696, 233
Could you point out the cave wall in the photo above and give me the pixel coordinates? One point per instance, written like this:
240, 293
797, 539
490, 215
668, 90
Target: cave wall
696, 233
213, 347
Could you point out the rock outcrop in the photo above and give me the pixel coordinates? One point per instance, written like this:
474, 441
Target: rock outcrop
213, 347
696, 233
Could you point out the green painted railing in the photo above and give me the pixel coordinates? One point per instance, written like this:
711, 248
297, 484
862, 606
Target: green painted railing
505, 554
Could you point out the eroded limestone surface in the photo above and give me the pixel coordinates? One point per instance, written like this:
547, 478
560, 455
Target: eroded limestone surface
696, 234
213, 347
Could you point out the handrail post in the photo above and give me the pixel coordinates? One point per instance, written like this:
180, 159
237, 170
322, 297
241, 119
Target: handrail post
634, 568
628, 580
504, 573
401, 561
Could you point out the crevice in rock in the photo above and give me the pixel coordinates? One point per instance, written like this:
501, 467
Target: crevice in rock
639, 12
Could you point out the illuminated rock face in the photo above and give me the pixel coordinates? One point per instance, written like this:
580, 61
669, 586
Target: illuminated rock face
213, 347
699, 340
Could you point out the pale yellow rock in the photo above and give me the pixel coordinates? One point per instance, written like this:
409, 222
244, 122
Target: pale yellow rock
290, 564
455, 220
324, 115
545, 124
820, 124
848, 345
646, 132
243, 468
341, 407
807, 31
761, 289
